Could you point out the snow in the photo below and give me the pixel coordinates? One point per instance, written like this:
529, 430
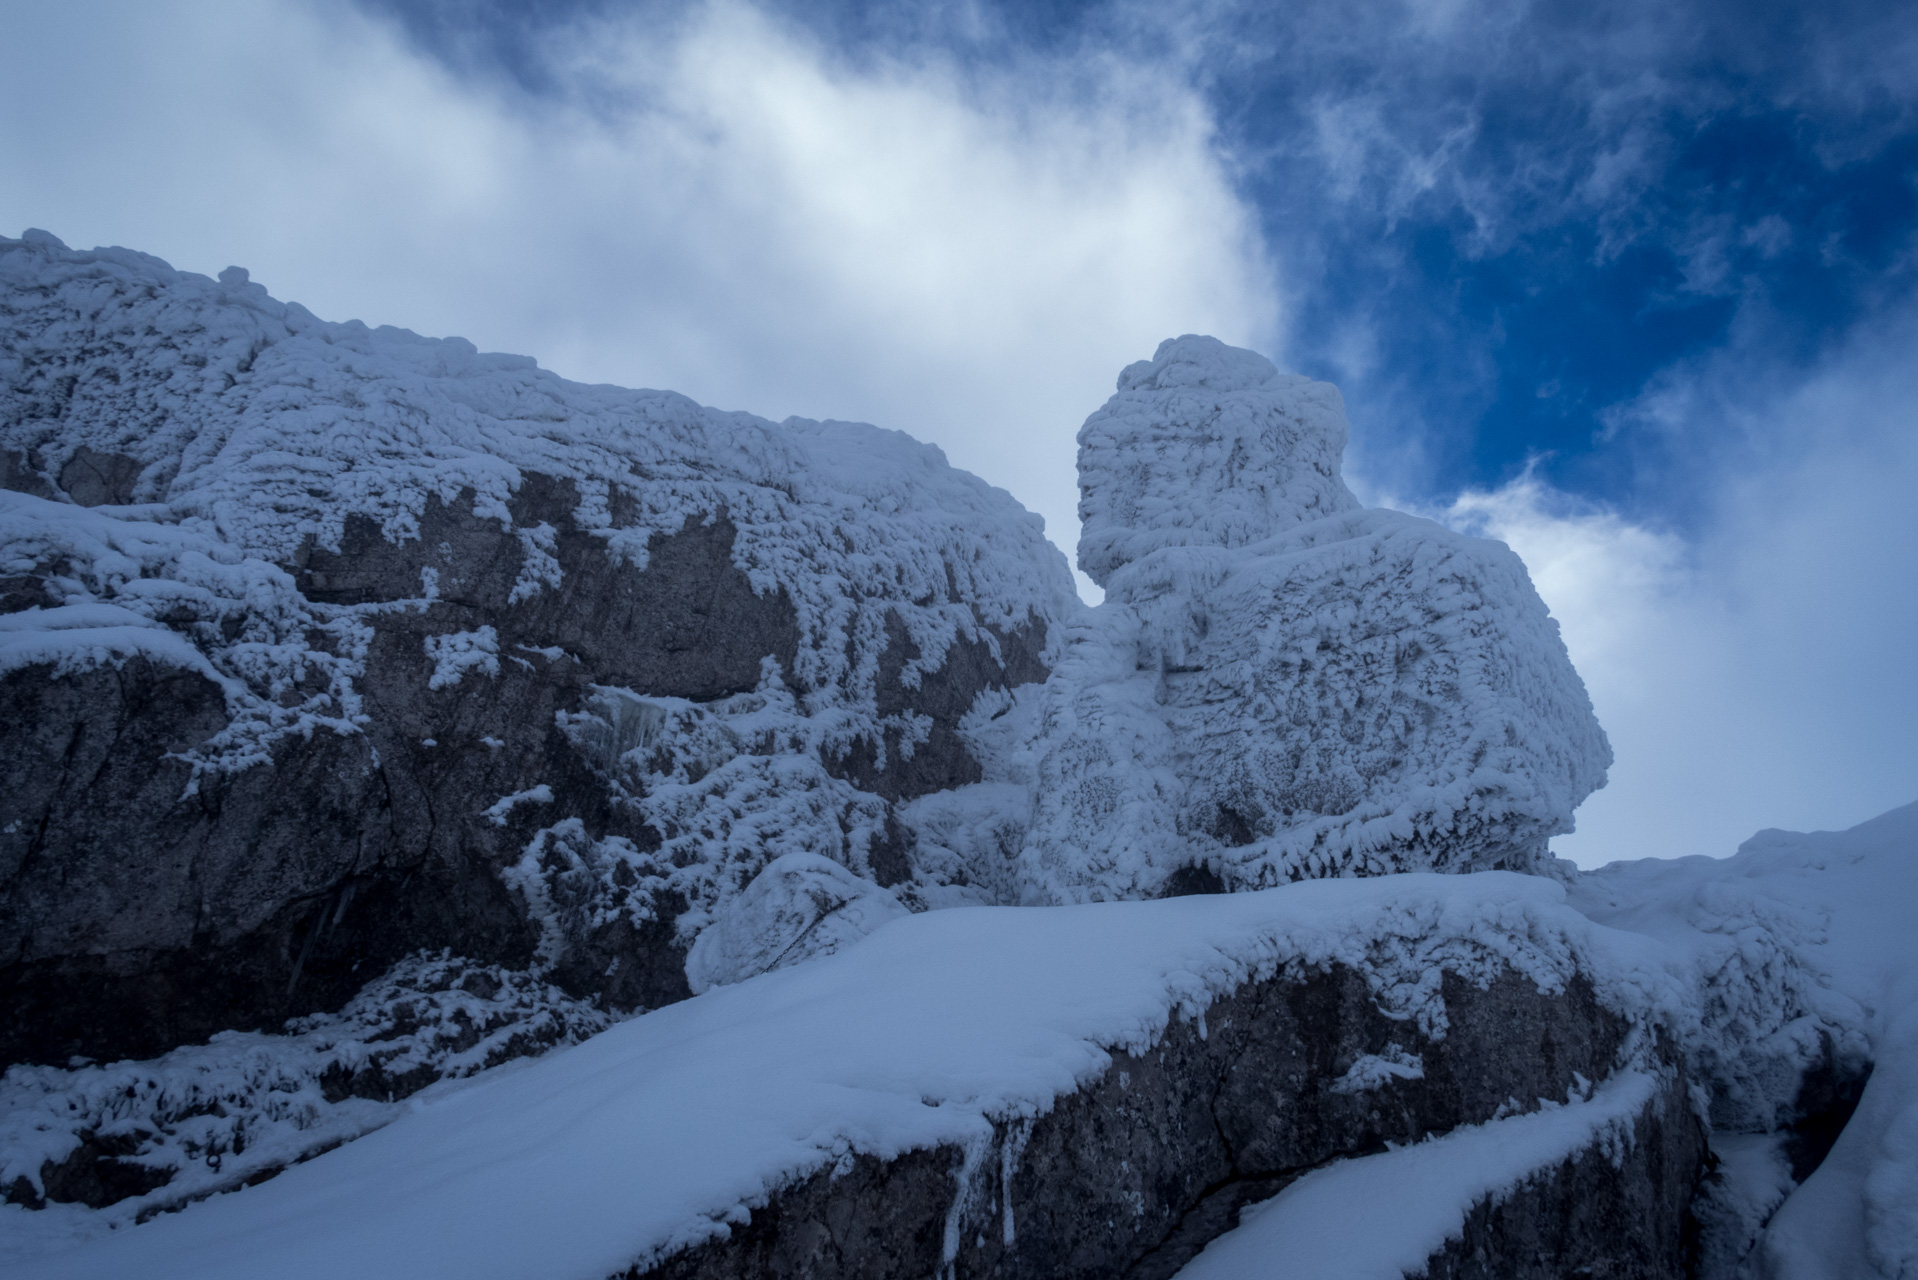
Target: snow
800, 906
1752, 1179
1794, 936
212, 1116
1371, 1071
502, 808
658, 1132
456, 654
1381, 1217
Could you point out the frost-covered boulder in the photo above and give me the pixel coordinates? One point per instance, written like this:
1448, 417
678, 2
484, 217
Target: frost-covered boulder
800, 906
324, 644
1280, 684
1797, 955
1206, 445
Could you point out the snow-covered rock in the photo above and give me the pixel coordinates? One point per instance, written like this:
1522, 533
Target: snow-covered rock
800, 906
323, 644
1279, 684
131, 1139
1584, 1188
1085, 1091
407, 646
1799, 952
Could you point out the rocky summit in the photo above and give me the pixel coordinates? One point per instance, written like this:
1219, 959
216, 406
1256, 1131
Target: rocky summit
375, 712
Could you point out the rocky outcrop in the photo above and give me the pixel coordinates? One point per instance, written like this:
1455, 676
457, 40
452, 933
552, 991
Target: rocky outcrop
1622, 1207
1279, 684
327, 644
1132, 1174
1100, 1090
348, 670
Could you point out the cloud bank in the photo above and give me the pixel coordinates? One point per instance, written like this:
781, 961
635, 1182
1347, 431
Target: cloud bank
1759, 674
716, 204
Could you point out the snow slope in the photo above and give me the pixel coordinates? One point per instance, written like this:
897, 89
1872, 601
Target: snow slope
207, 1118
658, 1132
1795, 937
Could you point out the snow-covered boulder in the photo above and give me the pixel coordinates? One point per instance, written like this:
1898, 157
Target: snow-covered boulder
1280, 684
324, 644
800, 906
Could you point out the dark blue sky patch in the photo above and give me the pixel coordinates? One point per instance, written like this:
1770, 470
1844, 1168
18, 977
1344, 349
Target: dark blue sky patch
1535, 221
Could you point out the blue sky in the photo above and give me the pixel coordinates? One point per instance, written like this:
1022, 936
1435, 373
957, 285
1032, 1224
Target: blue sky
1630, 286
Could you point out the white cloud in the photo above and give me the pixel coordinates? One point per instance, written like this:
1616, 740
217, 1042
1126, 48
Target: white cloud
1762, 672
720, 208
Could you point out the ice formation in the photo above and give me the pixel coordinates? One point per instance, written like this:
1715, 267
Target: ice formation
1280, 684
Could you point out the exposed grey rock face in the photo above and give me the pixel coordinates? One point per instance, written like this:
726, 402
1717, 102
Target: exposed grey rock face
99, 479
1134, 1173
409, 647
137, 916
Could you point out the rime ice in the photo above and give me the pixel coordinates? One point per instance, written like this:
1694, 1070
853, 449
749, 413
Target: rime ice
1281, 685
